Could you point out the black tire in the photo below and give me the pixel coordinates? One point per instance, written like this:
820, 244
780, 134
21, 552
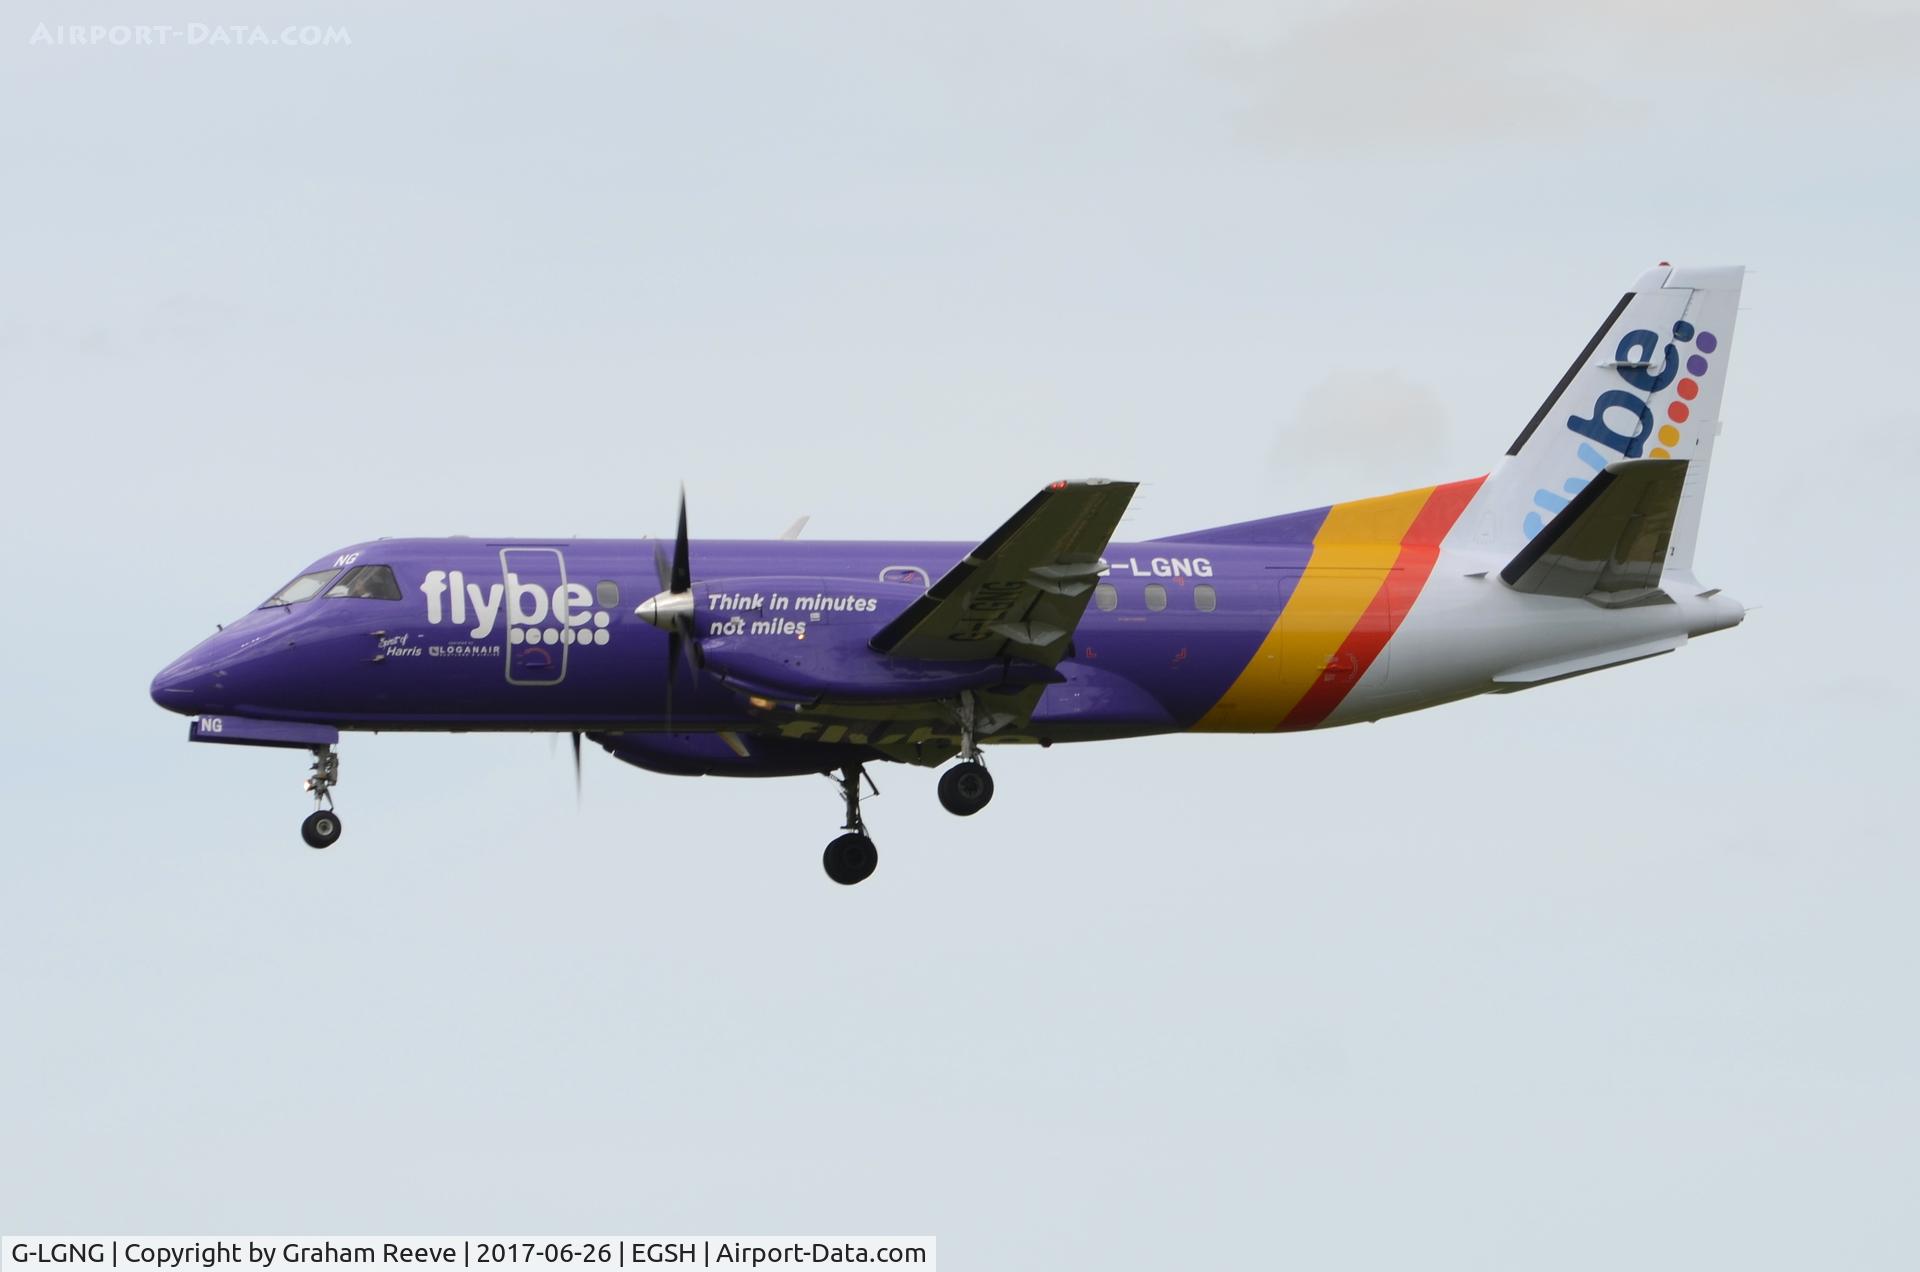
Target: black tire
321, 828
850, 858
966, 788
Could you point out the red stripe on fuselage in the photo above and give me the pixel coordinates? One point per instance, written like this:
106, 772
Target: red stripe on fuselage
1419, 550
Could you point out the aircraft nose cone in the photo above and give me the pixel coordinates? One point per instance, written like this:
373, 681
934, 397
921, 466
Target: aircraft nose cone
190, 682
176, 688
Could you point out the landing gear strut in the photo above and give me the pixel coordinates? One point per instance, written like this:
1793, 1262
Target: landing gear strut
852, 857
967, 786
322, 826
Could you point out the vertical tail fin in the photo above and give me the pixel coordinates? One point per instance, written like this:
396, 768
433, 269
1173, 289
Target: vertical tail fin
1647, 385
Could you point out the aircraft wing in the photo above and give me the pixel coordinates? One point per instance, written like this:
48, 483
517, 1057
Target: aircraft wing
1610, 542
1022, 592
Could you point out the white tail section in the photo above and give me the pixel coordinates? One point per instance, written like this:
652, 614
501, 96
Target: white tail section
1647, 385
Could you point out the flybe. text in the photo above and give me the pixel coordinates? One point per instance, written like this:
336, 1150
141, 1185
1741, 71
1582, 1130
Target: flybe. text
1632, 360
451, 598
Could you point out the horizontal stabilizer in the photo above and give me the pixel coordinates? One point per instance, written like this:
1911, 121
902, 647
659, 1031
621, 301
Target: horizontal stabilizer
1580, 664
1609, 543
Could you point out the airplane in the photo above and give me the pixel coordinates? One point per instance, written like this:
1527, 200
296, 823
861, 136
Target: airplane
783, 657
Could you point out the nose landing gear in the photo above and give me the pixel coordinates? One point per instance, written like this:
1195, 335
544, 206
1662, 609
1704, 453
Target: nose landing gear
852, 857
322, 826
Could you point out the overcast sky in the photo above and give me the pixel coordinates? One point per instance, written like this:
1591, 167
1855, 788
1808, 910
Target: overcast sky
1615, 973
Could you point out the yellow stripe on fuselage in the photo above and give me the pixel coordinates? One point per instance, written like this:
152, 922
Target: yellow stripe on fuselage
1357, 544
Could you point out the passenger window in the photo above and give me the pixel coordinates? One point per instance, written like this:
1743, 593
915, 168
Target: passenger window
1204, 597
607, 592
304, 588
367, 583
1156, 597
1106, 596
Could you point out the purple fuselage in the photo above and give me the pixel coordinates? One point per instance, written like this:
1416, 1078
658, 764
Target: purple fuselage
542, 635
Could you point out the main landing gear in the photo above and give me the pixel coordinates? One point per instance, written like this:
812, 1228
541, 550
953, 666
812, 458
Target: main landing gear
322, 826
966, 788
852, 857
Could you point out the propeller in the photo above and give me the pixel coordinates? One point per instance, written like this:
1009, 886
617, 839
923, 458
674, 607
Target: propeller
553, 740
671, 609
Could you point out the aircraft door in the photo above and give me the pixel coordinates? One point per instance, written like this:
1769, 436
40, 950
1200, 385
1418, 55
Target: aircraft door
1332, 632
1349, 634
536, 654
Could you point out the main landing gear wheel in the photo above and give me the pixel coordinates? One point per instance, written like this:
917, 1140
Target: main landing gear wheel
966, 788
321, 828
850, 858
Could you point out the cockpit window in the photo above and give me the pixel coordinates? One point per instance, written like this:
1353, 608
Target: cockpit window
304, 588
367, 582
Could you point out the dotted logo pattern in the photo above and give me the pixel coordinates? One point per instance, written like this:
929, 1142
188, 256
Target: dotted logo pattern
1687, 389
563, 635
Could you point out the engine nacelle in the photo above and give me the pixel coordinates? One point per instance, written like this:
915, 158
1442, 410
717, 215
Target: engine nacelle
801, 641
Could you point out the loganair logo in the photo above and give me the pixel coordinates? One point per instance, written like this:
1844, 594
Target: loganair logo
532, 613
1634, 364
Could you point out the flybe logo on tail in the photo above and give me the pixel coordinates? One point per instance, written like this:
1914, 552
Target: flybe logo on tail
1632, 409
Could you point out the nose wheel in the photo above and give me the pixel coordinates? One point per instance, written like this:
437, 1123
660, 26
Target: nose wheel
320, 828
322, 825
851, 857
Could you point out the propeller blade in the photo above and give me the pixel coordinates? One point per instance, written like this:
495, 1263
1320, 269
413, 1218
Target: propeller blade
576, 770
672, 610
690, 645
673, 668
682, 579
